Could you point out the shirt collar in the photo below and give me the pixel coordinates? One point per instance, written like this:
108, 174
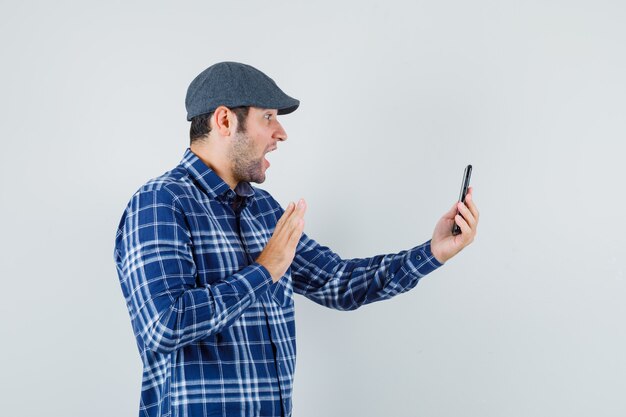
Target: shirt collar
209, 181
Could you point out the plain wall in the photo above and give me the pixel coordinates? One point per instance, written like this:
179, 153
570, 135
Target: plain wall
397, 97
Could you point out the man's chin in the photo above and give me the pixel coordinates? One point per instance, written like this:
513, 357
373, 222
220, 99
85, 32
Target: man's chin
258, 179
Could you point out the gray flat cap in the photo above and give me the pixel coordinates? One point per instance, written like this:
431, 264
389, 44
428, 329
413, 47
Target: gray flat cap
233, 84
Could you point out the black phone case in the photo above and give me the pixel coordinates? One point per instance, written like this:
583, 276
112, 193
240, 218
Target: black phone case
456, 230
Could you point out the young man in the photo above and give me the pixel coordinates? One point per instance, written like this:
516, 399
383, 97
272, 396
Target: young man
208, 264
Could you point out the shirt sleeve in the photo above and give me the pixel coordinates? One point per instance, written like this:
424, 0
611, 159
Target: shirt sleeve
322, 276
155, 263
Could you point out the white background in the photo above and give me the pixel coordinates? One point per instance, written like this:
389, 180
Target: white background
397, 97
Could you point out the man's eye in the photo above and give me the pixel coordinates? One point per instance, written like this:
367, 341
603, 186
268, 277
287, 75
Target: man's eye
268, 116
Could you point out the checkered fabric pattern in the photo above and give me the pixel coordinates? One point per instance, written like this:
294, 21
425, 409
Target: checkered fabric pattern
215, 334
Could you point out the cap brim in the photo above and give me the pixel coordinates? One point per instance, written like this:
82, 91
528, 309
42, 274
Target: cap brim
290, 109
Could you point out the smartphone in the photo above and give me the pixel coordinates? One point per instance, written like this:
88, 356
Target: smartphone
456, 230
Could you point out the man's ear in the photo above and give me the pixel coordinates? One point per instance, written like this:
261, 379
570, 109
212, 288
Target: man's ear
224, 121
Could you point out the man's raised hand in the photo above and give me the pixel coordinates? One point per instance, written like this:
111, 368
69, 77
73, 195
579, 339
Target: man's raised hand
281, 248
444, 245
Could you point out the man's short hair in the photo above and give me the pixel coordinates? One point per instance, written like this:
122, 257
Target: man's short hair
201, 124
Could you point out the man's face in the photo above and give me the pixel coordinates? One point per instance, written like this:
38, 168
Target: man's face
250, 145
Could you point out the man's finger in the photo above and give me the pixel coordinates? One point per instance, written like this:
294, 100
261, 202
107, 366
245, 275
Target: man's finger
288, 223
301, 206
285, 216
296, 234
298, 213
465, 228
467, 214
469, 202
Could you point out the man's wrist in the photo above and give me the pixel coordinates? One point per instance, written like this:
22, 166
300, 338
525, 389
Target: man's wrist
438, 256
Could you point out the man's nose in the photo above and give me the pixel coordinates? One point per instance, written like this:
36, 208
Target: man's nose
280, 133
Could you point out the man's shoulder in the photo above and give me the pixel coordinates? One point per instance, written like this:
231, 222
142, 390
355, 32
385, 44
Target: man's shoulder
171, 184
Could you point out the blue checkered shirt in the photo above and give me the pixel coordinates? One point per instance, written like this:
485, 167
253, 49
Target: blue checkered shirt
215, 334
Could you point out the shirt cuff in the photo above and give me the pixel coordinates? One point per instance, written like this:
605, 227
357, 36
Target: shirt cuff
421, 261
253, 280
259, 278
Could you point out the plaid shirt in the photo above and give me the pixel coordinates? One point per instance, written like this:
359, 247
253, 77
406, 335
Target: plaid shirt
215, 334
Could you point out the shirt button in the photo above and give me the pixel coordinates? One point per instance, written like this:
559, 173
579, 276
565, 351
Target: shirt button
418, 257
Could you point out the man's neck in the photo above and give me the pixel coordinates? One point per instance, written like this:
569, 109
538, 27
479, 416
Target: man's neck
220, 169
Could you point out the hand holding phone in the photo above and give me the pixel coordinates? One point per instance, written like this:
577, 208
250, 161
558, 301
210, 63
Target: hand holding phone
464, 186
